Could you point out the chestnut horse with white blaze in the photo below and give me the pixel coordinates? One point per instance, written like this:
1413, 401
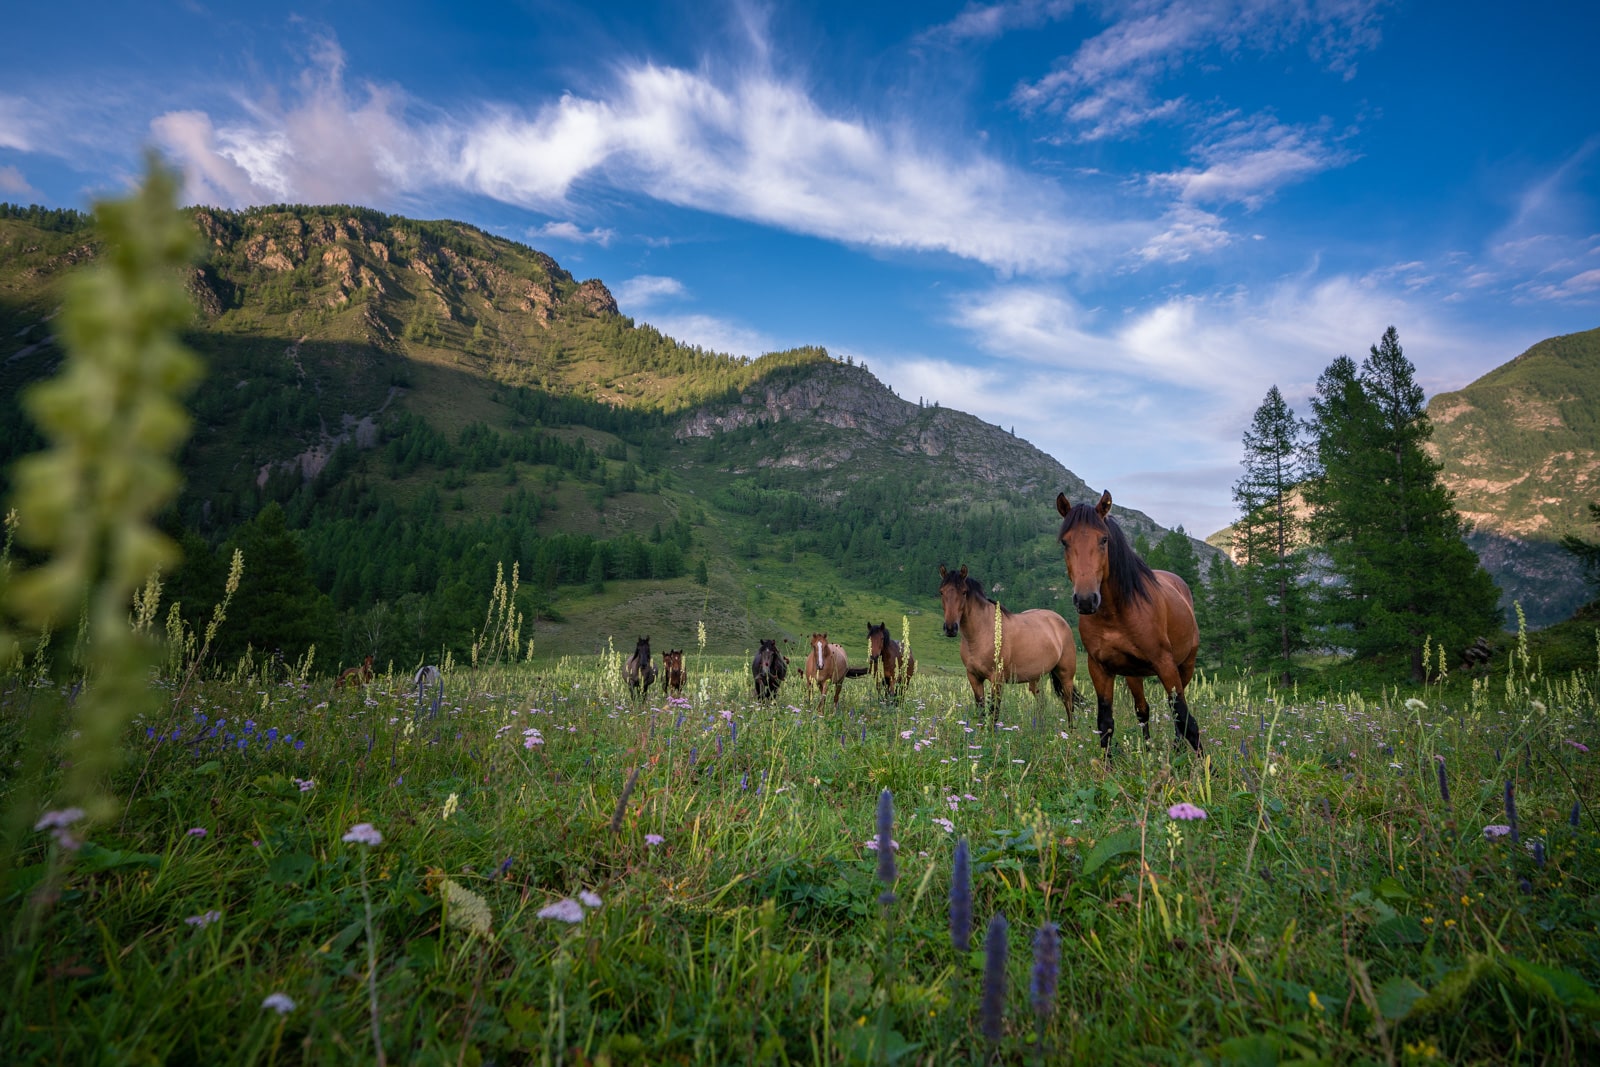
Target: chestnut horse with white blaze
1033, 643
827, 663
1135, 622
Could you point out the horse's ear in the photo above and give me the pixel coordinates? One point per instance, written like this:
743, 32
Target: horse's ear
963, 570
1104, 506
942, 571
1061, 504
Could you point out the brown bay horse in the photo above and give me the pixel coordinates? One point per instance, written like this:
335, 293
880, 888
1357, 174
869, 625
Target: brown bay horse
827, 663
769, 668
1033, 643
639, 672
673, 674
890, 663
361, 675
1135, 621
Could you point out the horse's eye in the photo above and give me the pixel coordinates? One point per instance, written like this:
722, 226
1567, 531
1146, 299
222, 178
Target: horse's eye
1103, 541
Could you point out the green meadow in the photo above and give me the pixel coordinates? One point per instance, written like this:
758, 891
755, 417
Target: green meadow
1332, 906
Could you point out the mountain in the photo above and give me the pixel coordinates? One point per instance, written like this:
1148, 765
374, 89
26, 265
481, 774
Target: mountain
1521, 450
423, 400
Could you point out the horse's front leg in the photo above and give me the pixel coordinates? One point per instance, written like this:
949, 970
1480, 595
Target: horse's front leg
1104, 724
976, 682
1183, 724
1141, 706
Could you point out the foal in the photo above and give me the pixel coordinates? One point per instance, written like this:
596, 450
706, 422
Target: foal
888, 655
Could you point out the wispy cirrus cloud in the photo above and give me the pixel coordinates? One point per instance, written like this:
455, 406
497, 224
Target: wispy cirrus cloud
746, 144
1112, 84
14, 183
985, 22
1245, 160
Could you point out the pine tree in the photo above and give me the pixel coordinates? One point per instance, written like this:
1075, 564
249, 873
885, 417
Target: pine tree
1268, 537
1404, 572
1586, 551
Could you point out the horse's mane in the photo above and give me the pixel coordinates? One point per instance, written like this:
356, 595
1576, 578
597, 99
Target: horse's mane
972, 587
1131, 574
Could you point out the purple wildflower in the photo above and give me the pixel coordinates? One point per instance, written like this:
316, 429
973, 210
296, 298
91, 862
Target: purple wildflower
1495, 830
886, 868
1579, 745
364, 833
1046, 969
204, 919
281, 1003
1511, 809
1573, 818
1185, 811
196, 831
961, 900
653, 839
1444, 786
993, 1007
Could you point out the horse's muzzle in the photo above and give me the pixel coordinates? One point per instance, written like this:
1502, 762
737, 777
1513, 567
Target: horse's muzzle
951, 629
1086, 605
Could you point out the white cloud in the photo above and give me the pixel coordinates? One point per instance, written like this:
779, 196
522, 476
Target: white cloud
985, 22
1189, 232
13, 183
573, 233
16, 123
749, 145
714, 334
1247, 160
646, 289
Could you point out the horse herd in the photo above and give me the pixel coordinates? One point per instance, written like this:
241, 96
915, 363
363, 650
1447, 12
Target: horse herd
1135, 623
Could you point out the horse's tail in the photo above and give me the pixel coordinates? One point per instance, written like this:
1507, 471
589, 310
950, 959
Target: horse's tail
855, 672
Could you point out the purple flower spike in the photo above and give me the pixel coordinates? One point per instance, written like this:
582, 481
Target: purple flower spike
961, 900
1444, 786
1573, 818
886, 867
993, 1008
1046, 968
1511, 809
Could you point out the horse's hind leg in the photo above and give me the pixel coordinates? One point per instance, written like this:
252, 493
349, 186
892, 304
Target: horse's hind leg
1141, 706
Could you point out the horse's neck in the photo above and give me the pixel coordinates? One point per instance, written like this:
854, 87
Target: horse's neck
977, 621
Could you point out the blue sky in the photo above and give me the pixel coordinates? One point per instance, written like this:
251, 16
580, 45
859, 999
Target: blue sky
1111, 226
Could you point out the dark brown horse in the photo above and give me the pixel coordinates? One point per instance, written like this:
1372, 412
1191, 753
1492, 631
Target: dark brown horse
673, 674
361, 675
769, 668
1033, 643
1135, 622
890, 663
639, 672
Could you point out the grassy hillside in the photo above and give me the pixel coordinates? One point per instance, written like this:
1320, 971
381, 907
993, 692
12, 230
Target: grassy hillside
425, 401
1521, 449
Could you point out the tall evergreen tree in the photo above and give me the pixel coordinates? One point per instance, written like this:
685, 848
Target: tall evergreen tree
1389, 526
1586, 551
1268, 537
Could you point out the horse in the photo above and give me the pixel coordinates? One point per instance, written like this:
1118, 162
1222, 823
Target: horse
889, 662
356, 675
1135, 621
827, 663
426, 676
639, 672
672, 668
769, 668
1033, 643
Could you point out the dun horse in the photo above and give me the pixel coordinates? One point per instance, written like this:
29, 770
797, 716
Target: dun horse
639, 672
356, 675
1135, 622
672, 668
889, 662
827, 663
769, 668
1033, 643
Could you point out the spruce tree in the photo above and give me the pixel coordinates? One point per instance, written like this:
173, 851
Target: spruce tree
1268, 538
1404, 572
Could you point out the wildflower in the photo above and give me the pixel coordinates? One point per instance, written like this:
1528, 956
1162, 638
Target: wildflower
467, 910
1444, 786
364, 833
450, 805
886, 867
196, 831
1416, 705
653, 839
1579, 745
1511, 809
1496, 830
1046, 968
1311, 998
204, 919
994, 979
949, 827
1573, 818
58, 823
872, 843
281, 1003
961, 899
564, 910
500, 871
306, 784
1186, 811
531, 739
589, 899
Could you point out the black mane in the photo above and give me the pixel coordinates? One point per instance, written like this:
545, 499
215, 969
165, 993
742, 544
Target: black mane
970, 586
1131, 574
